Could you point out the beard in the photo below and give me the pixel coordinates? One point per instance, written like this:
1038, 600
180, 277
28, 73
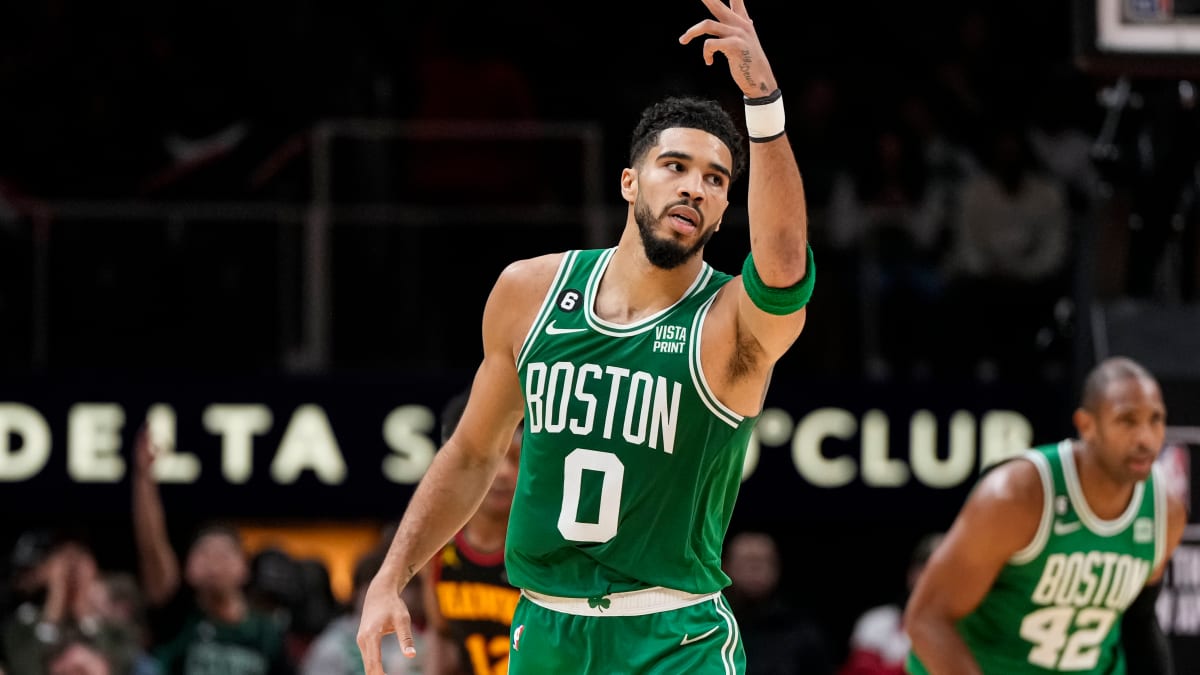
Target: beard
665, 252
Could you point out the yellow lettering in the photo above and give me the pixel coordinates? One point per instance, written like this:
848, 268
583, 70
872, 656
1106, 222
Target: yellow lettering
474, 601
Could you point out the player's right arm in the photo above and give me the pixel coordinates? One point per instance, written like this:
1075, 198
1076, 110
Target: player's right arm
1000, 518
464, 468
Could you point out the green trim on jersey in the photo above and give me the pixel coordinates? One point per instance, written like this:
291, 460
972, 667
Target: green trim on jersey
622, 436
1056, 606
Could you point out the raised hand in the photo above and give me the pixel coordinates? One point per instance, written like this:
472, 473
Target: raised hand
732, 34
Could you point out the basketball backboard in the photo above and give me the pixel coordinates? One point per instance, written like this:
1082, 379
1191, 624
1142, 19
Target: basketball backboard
1138, 38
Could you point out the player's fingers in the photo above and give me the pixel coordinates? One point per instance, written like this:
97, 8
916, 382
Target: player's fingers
369, 644
718, 8
728, 47
733, 15
705, 27
404, 635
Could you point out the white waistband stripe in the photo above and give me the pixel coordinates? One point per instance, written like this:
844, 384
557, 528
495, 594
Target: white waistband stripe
630, 603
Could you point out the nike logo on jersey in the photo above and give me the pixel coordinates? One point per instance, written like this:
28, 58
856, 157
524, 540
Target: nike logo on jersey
687, 640
1066, 528
551, 329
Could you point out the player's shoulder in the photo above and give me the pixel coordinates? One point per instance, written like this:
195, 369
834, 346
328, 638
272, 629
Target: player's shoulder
1019, 481
527, 273
1006, 508
526, 280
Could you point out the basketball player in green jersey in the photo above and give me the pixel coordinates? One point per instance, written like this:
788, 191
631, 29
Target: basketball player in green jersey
639, 372
468, 601
1052, 548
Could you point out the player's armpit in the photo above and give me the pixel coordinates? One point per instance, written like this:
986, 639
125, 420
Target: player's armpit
774, 333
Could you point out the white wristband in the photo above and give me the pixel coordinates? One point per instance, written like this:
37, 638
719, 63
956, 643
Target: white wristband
764, 117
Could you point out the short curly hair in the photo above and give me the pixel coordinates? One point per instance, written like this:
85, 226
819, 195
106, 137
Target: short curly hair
687, 112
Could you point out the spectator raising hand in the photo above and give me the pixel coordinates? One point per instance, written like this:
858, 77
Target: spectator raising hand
214, 628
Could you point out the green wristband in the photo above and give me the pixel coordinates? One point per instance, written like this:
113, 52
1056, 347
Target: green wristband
779, 301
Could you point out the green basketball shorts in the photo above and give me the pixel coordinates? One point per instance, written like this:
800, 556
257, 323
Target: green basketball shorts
654, 631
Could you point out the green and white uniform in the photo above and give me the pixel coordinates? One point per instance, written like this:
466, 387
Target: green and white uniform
630, 468
1056, 606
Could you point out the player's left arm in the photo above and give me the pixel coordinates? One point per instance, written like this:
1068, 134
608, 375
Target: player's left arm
775, 196
1147, 649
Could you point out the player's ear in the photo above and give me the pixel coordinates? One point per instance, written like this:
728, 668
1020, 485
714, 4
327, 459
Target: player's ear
1085, 423
629, 185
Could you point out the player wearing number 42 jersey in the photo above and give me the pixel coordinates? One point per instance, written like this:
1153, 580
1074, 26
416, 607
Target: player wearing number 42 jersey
639, 372
1053, 564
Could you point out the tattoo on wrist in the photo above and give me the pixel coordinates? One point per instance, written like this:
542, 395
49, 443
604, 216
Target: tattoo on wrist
744, 67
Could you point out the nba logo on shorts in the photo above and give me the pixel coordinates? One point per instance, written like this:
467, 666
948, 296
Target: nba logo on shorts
517, 637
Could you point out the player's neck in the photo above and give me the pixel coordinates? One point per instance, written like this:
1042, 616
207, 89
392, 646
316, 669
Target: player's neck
1106, 497
633, 288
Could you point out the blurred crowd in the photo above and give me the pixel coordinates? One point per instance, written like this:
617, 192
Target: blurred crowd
212, 608
235, 613
272, 613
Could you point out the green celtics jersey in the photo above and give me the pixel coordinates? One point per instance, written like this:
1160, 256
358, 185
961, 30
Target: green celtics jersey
1056, 606
630, 466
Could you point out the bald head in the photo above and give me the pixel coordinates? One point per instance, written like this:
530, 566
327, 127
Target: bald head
1108, 371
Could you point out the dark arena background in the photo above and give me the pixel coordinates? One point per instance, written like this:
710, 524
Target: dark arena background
268, 229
